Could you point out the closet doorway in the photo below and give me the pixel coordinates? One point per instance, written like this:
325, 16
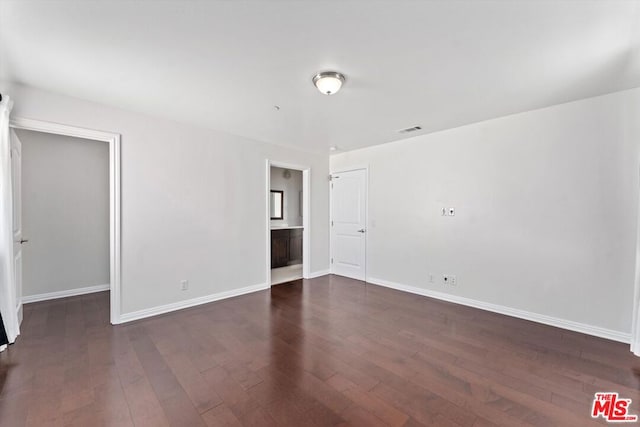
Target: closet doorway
57, 130
287, 218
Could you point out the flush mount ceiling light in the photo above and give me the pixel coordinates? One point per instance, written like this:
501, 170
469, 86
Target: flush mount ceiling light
328, 82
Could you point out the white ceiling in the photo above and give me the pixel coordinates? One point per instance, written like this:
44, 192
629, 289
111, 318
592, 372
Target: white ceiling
224, 65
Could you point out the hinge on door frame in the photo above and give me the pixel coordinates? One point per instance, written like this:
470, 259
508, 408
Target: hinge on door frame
331, 260
332, 223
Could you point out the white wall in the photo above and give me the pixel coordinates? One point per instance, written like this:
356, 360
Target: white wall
292, 188
193, 200
65, 212
546, 205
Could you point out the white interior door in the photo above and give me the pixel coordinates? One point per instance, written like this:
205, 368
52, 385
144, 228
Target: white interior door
349, 223
16, 177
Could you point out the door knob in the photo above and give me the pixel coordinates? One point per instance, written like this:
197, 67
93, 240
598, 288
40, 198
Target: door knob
23, 241
362, 230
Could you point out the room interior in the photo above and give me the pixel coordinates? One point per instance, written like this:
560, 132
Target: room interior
71, 254
372, 213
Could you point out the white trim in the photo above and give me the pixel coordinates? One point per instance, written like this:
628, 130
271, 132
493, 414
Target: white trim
60, 129
508, 311
154, 311
267, 215
20, 311
306, 223
114, 193
63, 294
318, 274
306, 215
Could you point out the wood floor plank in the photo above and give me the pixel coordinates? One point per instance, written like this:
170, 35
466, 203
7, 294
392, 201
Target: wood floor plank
221, 416
175, 402
202, 394
324, 352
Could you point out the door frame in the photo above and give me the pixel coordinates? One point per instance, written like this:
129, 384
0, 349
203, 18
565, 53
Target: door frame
365, 168
306, 216
113, 139
17, 289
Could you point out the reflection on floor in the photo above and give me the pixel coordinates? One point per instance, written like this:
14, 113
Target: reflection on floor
286, 274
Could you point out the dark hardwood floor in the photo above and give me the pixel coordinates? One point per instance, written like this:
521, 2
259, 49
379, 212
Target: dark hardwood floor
329, 351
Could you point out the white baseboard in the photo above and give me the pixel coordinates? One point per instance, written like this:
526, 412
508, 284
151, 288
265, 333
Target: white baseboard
513, 312
318, 274
154, 311
63, 294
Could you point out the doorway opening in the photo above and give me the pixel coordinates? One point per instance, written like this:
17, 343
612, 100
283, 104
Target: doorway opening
287, 219
70, 187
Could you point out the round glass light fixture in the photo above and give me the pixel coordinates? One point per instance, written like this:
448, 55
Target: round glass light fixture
328, 82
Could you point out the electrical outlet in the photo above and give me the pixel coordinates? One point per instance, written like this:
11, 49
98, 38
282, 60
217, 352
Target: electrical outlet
449, 279
184, 285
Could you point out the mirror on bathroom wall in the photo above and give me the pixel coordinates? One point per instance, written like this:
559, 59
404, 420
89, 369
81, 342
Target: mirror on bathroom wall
277, 204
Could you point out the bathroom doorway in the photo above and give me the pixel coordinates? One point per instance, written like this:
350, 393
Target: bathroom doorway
287, 222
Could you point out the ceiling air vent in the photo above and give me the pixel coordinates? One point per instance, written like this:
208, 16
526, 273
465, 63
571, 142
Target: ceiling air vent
411, 129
